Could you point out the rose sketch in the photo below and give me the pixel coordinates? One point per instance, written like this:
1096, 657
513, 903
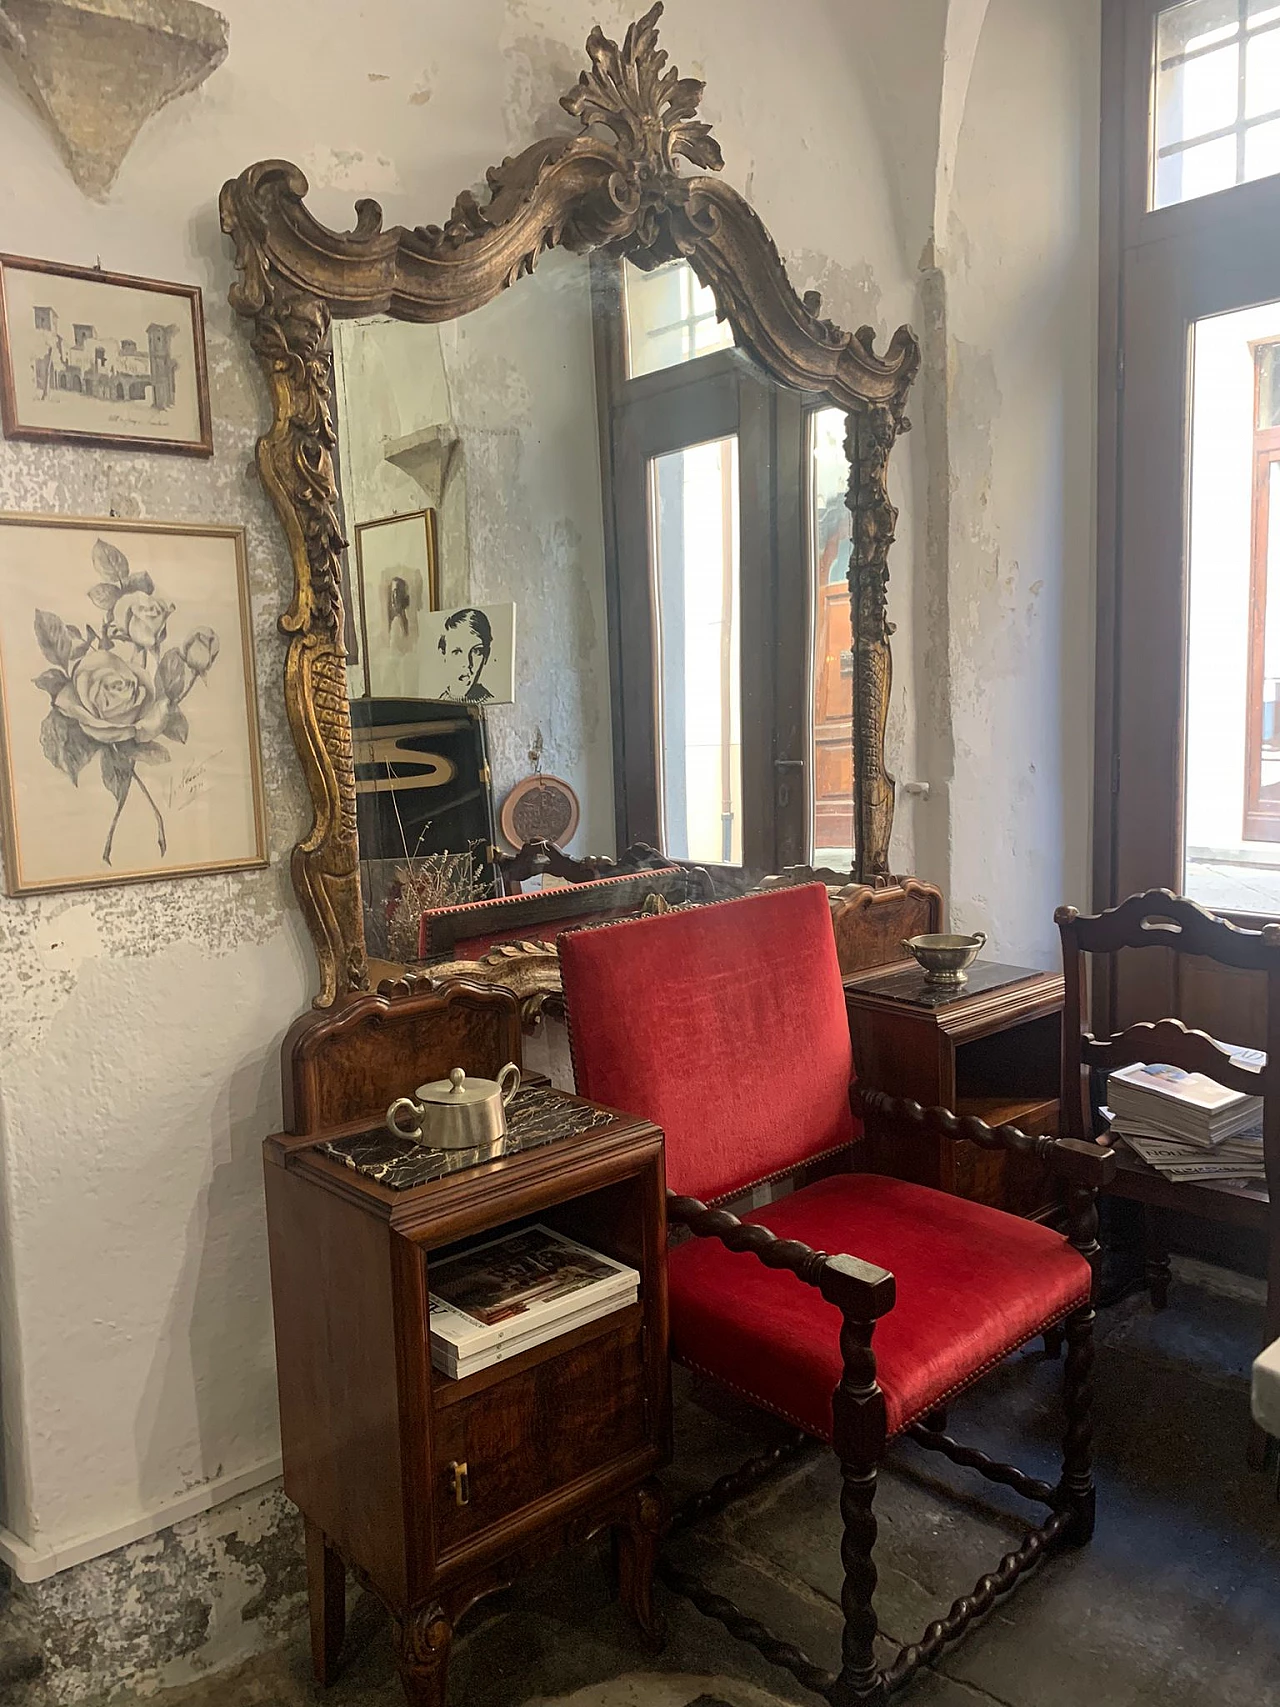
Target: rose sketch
116, 691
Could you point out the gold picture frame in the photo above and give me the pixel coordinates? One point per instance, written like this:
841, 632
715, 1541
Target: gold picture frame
421, 590
94, 690
68, 372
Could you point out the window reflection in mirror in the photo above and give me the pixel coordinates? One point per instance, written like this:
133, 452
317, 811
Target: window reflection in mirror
831, 827
693, 507
671, 318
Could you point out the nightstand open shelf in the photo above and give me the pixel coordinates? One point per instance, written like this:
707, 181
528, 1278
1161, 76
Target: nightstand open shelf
989, 1048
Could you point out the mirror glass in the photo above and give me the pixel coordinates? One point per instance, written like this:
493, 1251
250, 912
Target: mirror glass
469, 473
469, 463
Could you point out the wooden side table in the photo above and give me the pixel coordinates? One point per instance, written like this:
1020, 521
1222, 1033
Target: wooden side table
990, 1048
433, 1491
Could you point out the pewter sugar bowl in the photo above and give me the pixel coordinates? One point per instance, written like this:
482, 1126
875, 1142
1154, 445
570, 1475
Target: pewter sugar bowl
457, 1113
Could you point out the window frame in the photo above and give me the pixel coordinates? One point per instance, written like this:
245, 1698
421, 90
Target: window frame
1261, 817
707, 397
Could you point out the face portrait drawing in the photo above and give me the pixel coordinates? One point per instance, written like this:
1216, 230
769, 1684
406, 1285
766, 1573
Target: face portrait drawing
399, 604
465, 646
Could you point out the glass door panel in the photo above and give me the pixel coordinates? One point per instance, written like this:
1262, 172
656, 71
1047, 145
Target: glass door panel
1231, 812
695, 579
831, 826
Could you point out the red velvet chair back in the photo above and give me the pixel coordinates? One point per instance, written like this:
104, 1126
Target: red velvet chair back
726, 1026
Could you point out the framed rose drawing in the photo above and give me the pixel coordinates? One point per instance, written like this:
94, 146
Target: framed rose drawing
102, 357
129, 714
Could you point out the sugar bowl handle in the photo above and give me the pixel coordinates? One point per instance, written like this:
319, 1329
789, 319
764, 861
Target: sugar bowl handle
512, 1071
980, 938
414, 1108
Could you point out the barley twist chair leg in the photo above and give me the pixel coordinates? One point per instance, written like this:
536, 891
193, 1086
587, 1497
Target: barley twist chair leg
860, 1432
1076, 1487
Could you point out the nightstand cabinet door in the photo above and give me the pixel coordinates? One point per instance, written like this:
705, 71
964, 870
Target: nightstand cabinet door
537, 1429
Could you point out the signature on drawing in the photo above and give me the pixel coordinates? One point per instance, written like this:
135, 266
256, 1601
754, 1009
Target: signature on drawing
191, 784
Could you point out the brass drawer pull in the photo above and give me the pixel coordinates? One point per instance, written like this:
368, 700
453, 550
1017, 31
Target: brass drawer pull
461, 1481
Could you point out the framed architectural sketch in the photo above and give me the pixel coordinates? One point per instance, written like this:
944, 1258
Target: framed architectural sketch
399, 583
102, 358
129, 714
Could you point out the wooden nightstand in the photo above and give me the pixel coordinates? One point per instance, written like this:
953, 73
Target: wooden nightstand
436, 1492
990, 1048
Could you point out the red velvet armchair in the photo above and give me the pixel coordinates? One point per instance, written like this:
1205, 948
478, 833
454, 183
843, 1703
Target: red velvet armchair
726, 1025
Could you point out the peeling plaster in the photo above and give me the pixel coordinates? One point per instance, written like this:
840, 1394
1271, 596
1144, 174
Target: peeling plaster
195, 1598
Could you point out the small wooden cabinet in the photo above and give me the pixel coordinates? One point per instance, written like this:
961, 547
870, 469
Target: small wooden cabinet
435, 1492
991, 1048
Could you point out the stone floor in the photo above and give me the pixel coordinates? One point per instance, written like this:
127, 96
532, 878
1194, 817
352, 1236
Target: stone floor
1176, 1603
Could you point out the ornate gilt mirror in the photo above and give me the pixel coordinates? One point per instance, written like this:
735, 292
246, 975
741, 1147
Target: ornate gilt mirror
654, 379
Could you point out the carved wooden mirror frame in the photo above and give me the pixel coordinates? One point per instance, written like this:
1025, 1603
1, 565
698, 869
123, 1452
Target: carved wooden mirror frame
623, 192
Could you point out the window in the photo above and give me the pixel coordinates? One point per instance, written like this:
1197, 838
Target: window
44, 320
693, 506
1232, 789
727, 545
1216, 97
831, 827
670, 318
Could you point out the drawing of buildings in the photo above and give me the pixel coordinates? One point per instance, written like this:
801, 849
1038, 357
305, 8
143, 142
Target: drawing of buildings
113, 369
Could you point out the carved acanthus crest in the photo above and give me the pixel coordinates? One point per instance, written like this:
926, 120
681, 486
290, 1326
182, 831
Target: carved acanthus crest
649, 109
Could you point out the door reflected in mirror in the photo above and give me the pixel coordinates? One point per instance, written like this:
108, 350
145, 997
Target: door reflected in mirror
831, 826
693, 508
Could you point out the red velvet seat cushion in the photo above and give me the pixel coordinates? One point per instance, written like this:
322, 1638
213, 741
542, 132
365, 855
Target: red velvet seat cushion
724, 1025
972, 1285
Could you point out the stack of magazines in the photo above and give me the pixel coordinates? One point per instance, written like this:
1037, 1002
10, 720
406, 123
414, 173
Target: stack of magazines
512, 1293
1187, 1126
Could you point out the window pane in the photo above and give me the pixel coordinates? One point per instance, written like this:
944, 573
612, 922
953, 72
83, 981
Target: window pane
671, 318
1268, 360
1206, 133
1196, 96
1268, 731
1232, 790
831, 827
1194, 25
1196, 171
693, 508
1262, 75
1262, 150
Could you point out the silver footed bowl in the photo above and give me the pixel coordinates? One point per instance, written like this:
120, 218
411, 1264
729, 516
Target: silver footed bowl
945, 958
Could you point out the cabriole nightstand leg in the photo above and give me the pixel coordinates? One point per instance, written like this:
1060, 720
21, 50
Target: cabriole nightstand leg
636, 1544
423, 1640
327, 1598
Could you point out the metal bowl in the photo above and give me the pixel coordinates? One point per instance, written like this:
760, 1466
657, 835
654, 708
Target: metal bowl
944, 958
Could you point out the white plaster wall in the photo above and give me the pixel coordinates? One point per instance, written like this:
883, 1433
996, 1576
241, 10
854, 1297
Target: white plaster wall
140, 1026
1020, 270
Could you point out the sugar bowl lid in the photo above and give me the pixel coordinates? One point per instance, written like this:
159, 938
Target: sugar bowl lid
458, 1089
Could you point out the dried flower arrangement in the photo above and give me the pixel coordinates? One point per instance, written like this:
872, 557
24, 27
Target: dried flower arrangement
425, 883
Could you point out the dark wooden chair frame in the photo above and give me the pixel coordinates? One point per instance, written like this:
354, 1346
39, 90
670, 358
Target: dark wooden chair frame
1157, 918
864, 1293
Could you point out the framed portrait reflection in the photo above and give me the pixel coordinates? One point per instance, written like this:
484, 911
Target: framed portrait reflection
398, 576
